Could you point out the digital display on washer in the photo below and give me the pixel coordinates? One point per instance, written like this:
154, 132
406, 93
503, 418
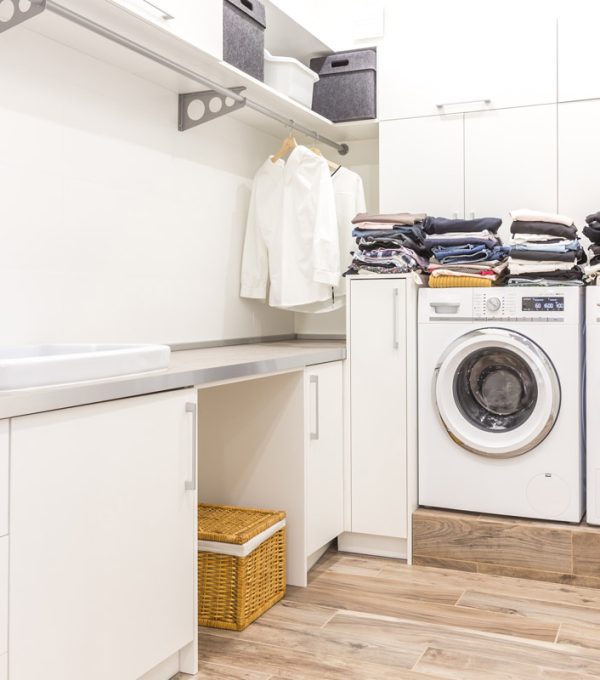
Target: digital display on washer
543, 304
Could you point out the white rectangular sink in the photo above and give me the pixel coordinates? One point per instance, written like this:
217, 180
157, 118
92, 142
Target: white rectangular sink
42, 365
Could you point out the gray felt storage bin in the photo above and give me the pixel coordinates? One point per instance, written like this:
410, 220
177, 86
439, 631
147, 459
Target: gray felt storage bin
244, 26
347, 89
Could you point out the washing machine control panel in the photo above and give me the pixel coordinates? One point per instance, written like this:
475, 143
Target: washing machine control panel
514, 305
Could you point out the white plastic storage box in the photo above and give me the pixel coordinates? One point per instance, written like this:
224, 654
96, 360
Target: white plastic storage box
347, 89
244, 24
290, 77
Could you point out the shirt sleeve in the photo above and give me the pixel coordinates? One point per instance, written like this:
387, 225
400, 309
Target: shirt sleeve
326, 242
361, 204
255, 258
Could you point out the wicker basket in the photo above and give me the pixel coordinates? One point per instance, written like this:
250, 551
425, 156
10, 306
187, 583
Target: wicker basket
241, 564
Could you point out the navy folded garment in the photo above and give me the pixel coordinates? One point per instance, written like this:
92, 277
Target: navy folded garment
592, 231
432, 242
414, 232
543, 256
548, 228
443, 225
469, 253
594, 217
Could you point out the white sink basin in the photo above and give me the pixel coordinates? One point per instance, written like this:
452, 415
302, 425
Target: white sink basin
38, 365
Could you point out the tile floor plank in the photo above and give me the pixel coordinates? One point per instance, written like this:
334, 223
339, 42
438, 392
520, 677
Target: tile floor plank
529, 608
461, 666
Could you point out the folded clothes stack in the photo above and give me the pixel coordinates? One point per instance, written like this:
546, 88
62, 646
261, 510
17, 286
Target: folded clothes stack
592, 231
465, 253
388, 244
544, 250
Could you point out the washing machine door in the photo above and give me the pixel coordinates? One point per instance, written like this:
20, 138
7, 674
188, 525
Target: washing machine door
497, 393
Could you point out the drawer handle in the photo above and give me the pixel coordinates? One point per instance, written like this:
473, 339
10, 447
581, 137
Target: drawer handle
248, 4
445, 307
192, 408
164, 15
395, 300
468, 101
314, 380
339, 63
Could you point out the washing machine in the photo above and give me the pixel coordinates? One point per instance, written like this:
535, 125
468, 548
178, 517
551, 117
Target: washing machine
592, 320
500, 401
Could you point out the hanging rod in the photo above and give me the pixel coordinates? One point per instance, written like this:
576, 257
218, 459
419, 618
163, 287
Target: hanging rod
38, 6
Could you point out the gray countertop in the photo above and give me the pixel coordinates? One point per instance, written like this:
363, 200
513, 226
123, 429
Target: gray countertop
188, 368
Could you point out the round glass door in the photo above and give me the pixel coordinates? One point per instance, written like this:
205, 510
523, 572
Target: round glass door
497, 393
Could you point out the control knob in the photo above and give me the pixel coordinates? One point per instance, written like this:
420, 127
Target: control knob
493, 304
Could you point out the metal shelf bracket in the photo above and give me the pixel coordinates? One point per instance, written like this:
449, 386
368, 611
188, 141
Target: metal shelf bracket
196, 108
15, 12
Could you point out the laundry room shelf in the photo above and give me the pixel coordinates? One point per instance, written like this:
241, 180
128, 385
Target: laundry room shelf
190, 57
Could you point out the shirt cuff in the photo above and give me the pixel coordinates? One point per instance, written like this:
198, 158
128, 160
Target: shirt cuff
253, 292
328, 278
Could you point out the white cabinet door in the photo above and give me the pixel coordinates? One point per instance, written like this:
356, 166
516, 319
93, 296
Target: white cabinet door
103, 539
4, 457
578, 54
579, 173
510, 162
325, 455
198, 22
378, 406
421, 162
460, 53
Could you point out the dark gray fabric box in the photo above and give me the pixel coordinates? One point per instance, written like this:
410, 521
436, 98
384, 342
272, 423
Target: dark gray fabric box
347, 89
244, 26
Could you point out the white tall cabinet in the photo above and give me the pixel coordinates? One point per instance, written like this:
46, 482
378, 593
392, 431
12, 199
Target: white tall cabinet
381, 460
465, 55
103, 540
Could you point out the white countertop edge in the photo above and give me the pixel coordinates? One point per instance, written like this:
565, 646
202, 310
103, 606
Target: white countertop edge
38, 400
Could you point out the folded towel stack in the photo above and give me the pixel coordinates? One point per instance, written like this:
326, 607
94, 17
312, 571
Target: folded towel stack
592, 231
388, 244
465, 252
544, 250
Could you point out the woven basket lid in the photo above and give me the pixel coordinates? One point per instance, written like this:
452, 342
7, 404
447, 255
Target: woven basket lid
229, 524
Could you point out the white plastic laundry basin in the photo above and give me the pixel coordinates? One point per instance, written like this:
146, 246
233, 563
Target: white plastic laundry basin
41, 365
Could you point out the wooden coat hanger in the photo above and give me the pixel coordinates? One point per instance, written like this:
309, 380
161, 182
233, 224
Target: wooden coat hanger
288, 145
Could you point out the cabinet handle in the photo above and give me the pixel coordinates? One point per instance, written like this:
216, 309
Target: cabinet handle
314, 380
191, 407
468, 101
396, 300
165, 16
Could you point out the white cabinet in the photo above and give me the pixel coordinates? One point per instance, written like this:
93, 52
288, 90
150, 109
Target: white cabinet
510, 162
199, 23
277, 443
422, 165
578, 55
459, 54
382, 358
472, 164
4, 467
579, 173
4, 551
103, 539
325, 455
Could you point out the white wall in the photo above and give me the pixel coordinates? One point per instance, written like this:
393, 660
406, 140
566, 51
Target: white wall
115, 226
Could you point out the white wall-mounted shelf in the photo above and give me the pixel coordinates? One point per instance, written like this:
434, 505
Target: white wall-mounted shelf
181, 52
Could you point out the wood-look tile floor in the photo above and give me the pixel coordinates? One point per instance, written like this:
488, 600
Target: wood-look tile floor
366, 618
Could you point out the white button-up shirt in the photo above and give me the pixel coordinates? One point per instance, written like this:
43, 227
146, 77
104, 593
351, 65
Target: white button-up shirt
292, 233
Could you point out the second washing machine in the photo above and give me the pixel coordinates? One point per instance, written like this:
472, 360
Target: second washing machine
500, 401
